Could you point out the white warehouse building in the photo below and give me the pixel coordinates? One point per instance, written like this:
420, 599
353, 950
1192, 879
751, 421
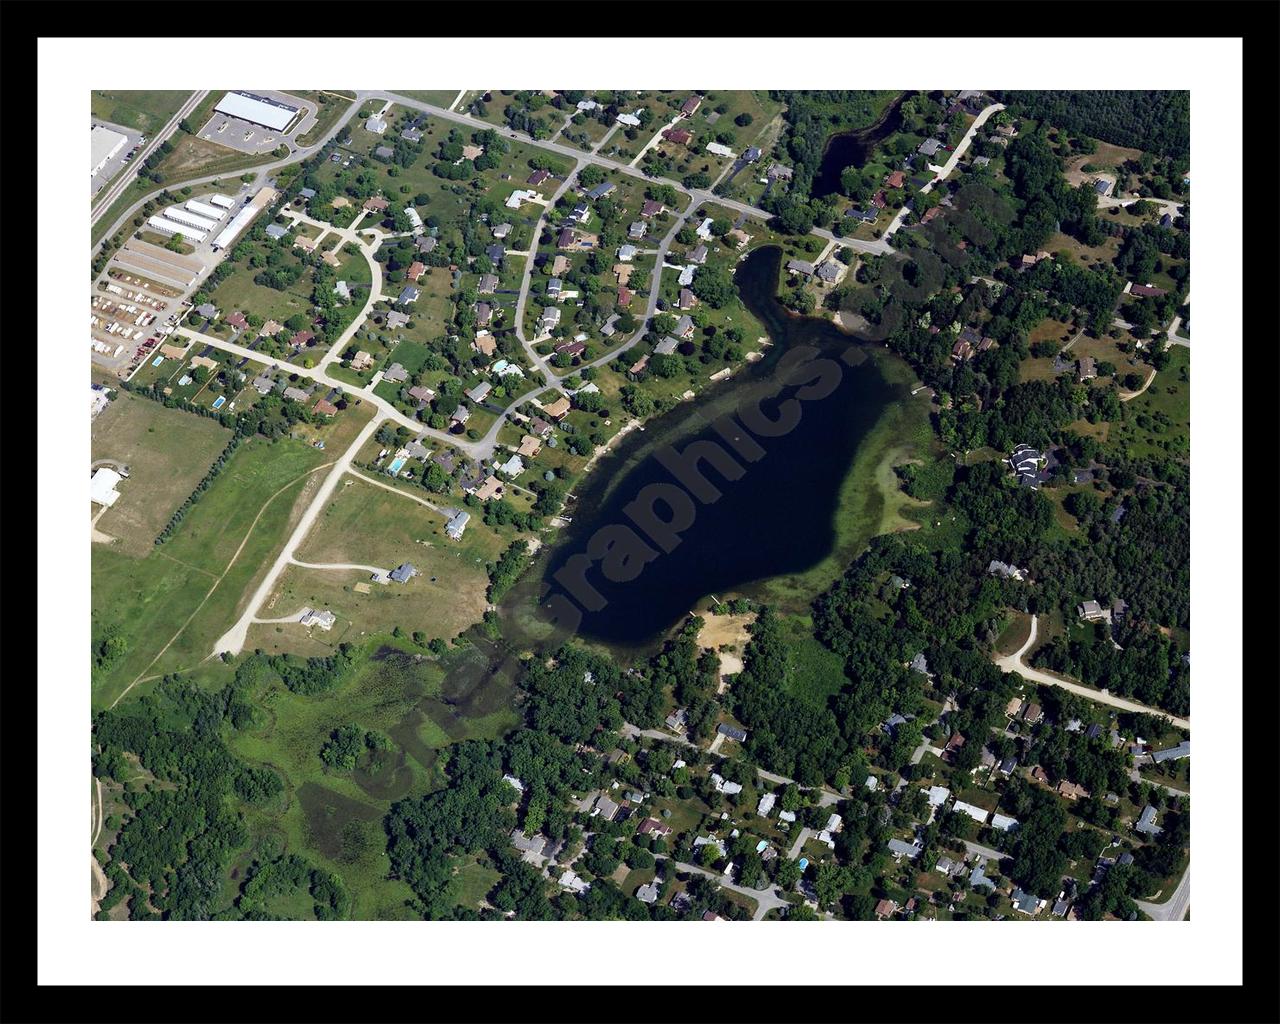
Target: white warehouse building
170, 227
219, 200
187, 217
265, 197
103, 145
205, 210
257, 110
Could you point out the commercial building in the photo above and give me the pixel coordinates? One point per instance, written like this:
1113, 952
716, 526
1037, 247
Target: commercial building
172, 227
177, 213
259, 110
102, 486
205, 210
103, 145
219, 200
265, 197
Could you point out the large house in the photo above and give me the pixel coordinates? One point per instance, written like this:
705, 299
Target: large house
1027, 464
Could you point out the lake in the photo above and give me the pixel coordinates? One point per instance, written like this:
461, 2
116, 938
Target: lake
852, 149
776, 518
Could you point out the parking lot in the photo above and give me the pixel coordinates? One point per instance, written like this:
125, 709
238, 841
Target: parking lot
246, 137
118, 161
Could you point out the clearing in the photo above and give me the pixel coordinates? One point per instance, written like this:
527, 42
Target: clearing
168, 452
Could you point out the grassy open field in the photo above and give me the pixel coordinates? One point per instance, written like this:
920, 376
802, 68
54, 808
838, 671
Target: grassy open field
167, 451
153, 600
194, 157
171, 605
368, 525
146, 110
817, 671
239, 292
331, 107
436, 97
1158, 422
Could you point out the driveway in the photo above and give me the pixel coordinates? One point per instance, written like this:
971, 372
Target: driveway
1013, 663
232, 640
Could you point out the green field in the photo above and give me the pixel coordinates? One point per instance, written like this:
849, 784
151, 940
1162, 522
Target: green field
167, 452
437, 97
817, 672
1158, 422
146, 110
335, 818
368, 525
239, 292
152, 600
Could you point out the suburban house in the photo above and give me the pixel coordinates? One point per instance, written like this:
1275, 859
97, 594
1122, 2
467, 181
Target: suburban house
408, 295
403, 573
1009, 572
690, 106
800, 267
698, 255
1086, 369
636, 230
1147, 822
1027, 464
651, 208
480, 392
538, 177
558, 409
376, 125
684, 327
489, 489
395, 374
1091, 611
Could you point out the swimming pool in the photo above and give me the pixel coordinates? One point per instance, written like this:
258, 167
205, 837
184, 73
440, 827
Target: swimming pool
396, 465
219, 401
157, 360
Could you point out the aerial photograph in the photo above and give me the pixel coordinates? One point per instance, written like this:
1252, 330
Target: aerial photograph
639, 505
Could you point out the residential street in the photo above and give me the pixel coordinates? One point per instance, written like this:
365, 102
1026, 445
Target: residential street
951, 163
1176, 906
1013, 663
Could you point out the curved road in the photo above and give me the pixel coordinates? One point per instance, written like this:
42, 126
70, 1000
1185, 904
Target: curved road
1175, 908
1013, 663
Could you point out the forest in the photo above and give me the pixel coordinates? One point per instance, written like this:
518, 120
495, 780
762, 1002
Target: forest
1156, 121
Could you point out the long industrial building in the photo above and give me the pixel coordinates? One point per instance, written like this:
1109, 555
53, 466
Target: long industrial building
205, 210
219, 200
171, 227
187, 217
103, 145
257, 110
265, 197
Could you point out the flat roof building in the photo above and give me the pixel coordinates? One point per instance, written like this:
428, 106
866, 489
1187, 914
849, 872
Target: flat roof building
102, 486
103, 145
258, 110
264, 198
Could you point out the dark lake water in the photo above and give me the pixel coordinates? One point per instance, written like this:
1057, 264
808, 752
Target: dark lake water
777, 518
852, 149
